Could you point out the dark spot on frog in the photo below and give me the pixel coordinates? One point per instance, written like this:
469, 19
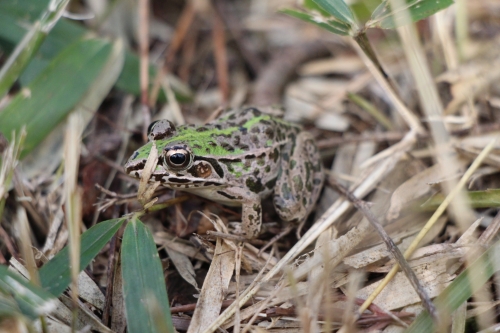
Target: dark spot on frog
196, 146
177, 180
134, 155
201, 129
224, 194
285, 155
137, 174
298, 184
317, 181
242, 129
267, 169
271, 183
269, 132
230, 160
211, 184
255, 129
254, 185
157, 177
293, 163
139, 165
256, 172
255, 139
218, 126
227, 147
249, 156
236, 140
286, 194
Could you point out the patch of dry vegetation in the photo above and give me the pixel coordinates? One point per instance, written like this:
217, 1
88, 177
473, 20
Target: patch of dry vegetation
395, 159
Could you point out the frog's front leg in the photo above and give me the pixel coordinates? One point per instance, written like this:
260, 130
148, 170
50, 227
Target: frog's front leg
251, 210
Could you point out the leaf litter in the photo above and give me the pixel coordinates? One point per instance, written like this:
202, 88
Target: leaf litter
315, 283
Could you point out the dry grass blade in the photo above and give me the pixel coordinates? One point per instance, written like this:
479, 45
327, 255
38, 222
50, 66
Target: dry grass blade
73, 201
214, 288
431, 222
9, 160
146, 190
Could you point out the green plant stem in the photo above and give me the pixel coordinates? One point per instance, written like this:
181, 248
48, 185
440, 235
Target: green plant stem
363, 42
476, 199
371, 109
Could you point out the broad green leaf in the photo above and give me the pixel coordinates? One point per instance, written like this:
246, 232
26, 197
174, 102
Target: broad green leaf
25, 50
383, 16
339, 10
48, 99
8, 307
338, 28
31, 300
55, 275
48, 154
17, 15
146, 300
310, 5
464, 286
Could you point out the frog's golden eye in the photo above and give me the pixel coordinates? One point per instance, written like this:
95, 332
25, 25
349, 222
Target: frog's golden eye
177, 159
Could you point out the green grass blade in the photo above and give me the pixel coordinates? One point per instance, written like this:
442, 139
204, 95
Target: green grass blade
489, 198
461, 288
383, 16
338, 28
55, 275
339, 10
146, 300
55, 92
31, 300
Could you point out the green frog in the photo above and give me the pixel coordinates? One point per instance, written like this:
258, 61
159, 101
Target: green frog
239, 159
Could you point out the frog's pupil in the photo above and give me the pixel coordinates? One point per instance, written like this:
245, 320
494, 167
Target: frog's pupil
177, 158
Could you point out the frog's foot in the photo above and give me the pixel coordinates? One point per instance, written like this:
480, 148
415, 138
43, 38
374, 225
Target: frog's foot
251, 212
301, 179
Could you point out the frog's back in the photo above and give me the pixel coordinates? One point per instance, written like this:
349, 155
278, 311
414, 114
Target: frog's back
249, 147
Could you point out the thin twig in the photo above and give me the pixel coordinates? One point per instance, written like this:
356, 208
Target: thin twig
391, 246
183, 24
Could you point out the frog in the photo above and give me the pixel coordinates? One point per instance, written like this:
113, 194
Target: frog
243, 157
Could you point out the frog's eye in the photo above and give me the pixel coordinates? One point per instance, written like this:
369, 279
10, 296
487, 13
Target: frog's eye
178, 159
160, 129
150, 127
